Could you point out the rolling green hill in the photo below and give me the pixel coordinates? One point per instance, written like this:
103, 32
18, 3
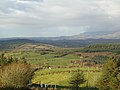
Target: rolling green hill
55, 65
14, 43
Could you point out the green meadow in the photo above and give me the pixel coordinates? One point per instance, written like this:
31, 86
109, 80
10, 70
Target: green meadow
56, 60
55, 65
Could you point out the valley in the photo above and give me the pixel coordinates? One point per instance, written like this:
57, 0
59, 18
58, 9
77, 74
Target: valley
55, 65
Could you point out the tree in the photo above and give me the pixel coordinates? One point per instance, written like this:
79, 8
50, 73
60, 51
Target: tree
77, 79
110, 78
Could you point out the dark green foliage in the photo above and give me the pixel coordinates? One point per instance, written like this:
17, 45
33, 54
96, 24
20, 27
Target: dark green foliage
102, 48
110, 79
77, 79
99, 59
4, 60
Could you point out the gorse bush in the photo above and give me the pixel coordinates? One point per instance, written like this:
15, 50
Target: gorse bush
15, 75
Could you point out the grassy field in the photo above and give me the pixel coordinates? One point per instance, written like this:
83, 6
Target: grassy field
49, 58
60, 77
54, 58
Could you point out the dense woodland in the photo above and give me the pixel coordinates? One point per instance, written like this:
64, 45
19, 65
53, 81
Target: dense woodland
115, 48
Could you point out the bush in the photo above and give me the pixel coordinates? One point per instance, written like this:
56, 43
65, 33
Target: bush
15, 75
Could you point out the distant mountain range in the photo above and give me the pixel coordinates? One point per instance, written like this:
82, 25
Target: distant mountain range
80, 40
93, 35
82, 36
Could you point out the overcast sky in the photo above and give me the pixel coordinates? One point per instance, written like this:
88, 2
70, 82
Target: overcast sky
44, 18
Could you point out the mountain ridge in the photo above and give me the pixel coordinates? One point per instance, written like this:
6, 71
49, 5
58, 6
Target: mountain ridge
94, 35
82, 36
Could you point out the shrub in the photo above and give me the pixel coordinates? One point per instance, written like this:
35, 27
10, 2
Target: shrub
15, 75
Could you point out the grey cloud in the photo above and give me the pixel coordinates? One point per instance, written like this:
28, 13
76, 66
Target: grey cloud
31, 0
50, 16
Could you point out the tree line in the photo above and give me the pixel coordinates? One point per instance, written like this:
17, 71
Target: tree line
102, 48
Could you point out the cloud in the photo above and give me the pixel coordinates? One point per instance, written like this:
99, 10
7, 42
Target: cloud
58, 17
28, 1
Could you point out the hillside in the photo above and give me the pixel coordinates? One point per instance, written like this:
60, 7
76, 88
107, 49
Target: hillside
80, 40
14, 43
30, 46
53, 62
